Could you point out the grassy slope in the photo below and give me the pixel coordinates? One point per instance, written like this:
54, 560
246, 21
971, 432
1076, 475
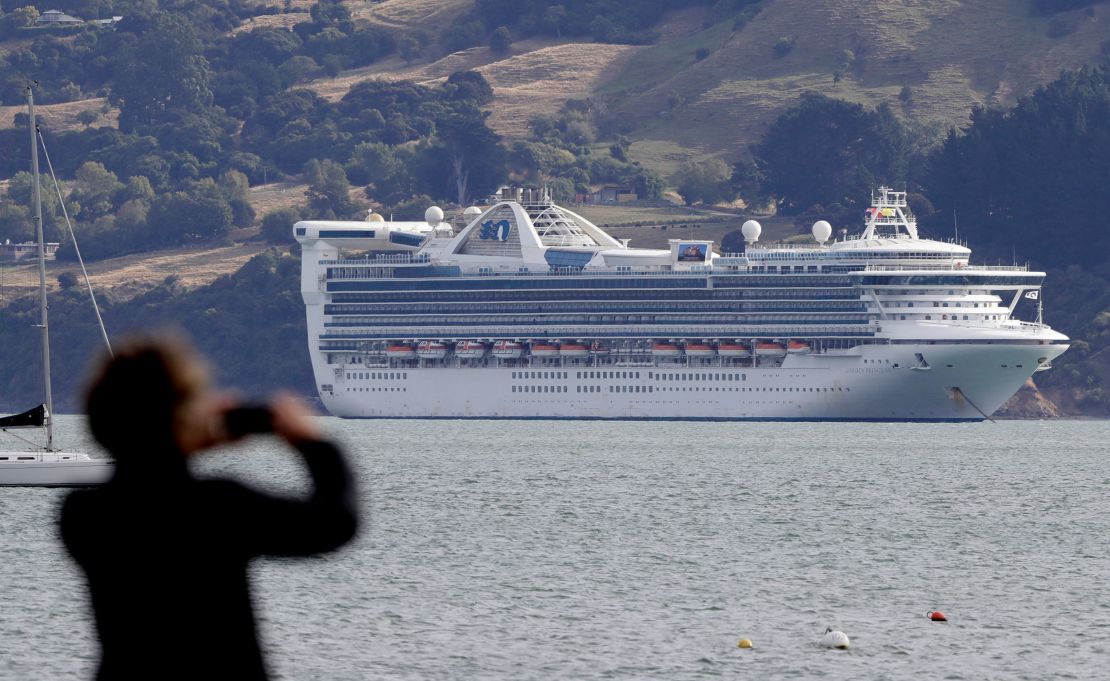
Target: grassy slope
953, 55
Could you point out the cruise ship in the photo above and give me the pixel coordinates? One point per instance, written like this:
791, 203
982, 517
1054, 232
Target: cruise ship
526, 310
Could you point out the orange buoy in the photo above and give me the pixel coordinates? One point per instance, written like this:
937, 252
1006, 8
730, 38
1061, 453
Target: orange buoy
936, 616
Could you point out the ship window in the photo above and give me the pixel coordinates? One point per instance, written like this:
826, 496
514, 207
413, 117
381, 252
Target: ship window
936, 304
945, 304
928, 316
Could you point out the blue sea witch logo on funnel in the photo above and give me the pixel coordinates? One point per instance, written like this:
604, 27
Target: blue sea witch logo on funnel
495, 230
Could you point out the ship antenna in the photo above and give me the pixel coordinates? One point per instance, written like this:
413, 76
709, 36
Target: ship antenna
956, 225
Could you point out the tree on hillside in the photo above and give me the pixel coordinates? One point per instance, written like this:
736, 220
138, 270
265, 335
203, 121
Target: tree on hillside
473, 154
501, 40
329, 193
470, 85
277, 225
163, 72
825, 151
705, 181
1015, 176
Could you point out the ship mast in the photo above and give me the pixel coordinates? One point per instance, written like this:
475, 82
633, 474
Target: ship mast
36, 192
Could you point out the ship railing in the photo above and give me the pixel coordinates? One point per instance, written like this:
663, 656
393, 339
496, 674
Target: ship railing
382, 259
1031, 327
580, 331
954, 267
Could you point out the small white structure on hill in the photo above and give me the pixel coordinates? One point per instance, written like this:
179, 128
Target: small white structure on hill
53, 17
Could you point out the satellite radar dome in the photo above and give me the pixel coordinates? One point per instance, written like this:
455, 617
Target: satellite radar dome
434, 215
822, 230
472, 212
751, 230
374, 217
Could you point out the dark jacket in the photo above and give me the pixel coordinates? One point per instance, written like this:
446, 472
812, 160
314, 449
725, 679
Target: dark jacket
166, 559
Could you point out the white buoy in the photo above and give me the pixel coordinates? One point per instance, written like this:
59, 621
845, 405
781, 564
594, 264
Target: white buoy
822, 231
835, 639
433, 216
751, 231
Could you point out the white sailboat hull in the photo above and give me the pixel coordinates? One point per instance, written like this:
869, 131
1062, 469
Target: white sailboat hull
54, 469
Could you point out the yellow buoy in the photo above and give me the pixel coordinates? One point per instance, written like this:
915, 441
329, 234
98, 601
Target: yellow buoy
745, 643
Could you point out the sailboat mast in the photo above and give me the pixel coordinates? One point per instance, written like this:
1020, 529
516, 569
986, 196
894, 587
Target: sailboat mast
36, 192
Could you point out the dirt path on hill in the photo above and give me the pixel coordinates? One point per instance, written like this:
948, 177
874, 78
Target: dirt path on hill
129, 275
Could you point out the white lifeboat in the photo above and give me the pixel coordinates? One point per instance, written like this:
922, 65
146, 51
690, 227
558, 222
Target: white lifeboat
797, 347
469, 349
400, 351
734, 349
574, 350
542, 349
661, 349
431, 350
506, 349
770, 349
702, 349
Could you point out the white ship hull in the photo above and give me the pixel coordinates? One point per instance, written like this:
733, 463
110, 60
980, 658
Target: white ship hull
878, 383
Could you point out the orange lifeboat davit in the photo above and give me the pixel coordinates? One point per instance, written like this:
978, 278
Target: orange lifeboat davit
797, 347
734, 350
770, 349
506, 349
661, 349
469, 349
702, 349
431, 350
400, 351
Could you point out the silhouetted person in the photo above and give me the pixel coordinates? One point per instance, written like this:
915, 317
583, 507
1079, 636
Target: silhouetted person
166, 554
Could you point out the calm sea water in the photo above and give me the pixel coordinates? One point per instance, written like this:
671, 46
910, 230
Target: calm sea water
563, 550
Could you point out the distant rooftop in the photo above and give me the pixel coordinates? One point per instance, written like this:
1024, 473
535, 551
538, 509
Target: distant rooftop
53, 16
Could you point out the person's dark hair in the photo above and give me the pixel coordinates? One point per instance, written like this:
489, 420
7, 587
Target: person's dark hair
134, 397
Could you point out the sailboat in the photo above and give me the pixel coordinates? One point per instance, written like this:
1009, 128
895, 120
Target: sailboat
45, 466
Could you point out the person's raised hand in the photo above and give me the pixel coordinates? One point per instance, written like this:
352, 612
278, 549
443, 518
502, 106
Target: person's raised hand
293, 419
